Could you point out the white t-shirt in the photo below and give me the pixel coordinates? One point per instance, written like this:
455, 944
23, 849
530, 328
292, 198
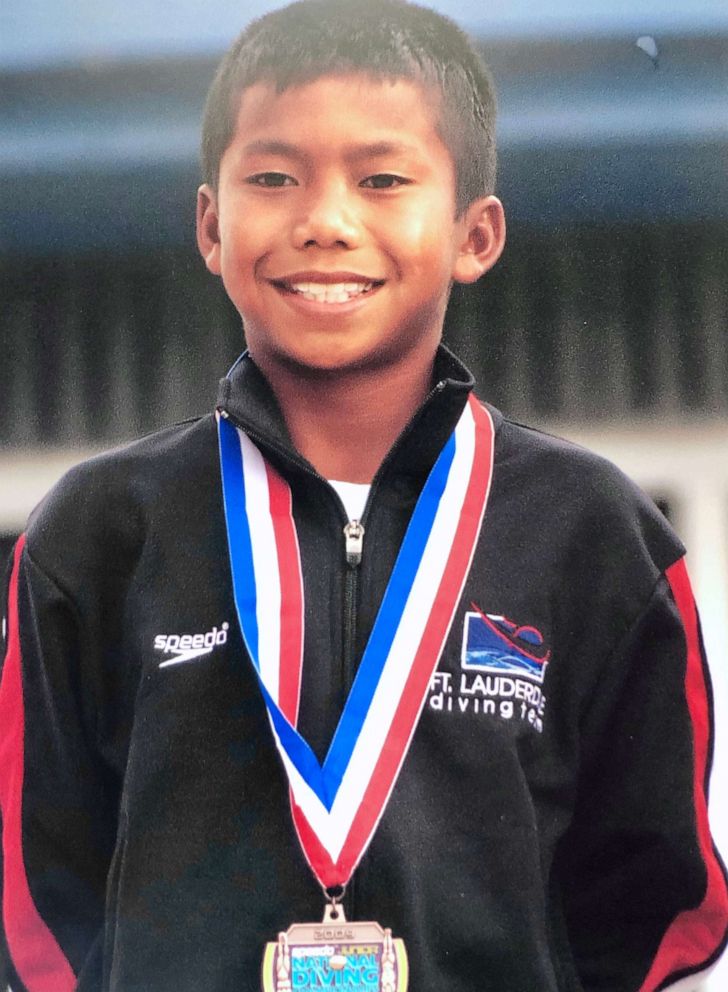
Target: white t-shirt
353, 495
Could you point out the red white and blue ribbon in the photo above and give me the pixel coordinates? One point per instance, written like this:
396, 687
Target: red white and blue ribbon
337, 805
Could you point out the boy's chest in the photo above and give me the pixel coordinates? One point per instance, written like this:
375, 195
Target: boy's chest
492, 688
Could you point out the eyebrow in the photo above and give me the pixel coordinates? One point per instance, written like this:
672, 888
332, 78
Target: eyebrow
282, 148
356, 153
378, 149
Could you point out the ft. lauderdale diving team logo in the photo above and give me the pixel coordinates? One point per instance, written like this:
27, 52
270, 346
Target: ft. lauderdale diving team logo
493, 643
502, 668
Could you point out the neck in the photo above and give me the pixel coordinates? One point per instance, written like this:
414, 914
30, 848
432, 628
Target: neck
344, 424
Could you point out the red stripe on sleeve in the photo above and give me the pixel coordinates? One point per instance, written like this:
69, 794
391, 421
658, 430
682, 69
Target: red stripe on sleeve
695, 935
34, 951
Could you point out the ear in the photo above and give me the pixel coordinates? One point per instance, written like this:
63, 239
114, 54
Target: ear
483, 231
208, 228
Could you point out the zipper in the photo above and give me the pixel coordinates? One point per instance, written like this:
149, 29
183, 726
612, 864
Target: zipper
353, 546
354, 535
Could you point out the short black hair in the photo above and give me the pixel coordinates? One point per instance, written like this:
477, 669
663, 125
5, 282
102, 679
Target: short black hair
386, 39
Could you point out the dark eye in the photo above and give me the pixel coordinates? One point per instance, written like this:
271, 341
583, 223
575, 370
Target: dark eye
271, 180
383, 180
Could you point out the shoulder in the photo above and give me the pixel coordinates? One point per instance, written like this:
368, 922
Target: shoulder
527, 449
583, 499
107, 504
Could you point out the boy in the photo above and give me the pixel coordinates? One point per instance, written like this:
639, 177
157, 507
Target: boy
495, 730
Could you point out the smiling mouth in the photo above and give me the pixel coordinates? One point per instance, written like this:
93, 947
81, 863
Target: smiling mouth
327, 292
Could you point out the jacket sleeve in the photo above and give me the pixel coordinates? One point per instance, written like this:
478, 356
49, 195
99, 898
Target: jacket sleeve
58, 801
644, 888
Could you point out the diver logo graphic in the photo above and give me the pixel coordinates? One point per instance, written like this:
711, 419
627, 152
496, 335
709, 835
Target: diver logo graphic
493, 643
187, 647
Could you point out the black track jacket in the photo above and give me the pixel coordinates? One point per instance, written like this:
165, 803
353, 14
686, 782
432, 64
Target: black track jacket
543, 836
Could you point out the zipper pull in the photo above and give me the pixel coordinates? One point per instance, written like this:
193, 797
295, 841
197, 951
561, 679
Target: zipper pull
354, 534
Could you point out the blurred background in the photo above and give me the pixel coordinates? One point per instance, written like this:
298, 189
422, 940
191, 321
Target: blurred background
605, 321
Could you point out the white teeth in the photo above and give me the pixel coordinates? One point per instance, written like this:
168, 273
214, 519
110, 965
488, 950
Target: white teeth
338, 292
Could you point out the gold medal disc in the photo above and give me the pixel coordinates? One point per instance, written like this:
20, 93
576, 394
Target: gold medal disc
335, 954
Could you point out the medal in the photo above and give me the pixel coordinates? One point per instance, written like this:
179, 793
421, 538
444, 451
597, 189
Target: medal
336, 806
335, 954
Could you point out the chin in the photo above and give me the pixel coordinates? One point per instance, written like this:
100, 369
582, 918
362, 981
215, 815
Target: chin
329, 361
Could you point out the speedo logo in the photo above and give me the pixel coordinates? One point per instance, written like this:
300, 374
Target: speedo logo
187, 647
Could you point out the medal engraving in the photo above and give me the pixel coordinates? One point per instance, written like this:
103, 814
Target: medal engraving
335, 954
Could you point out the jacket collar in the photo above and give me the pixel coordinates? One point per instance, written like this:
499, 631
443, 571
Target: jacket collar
246, 398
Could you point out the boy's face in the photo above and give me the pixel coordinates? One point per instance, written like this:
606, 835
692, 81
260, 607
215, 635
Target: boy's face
333, 225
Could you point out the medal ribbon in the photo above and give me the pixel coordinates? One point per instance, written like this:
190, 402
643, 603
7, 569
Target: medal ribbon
337, 805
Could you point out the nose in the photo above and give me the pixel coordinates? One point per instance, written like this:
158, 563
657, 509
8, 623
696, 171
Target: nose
328, 219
